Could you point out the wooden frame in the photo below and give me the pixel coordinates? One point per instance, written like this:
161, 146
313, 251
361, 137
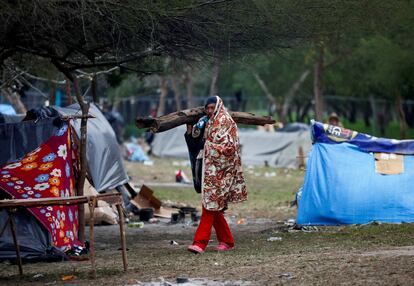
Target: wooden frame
112, 198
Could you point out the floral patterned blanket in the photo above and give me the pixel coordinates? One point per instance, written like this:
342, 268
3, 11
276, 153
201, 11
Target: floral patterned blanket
47, 172
223, 180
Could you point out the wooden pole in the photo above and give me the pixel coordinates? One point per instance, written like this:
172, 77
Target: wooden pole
123, 238
16, 244
92, 205
82, 151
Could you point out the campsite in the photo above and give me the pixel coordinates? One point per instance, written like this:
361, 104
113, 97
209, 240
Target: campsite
365, 254
206, 142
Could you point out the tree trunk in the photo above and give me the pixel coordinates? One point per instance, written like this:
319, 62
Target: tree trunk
374, 114
82, 151
14, 100
288, 98
163, 96
68, 91
401, 115
176, 90
317, 84
214, 78
190, 116
189, 87
269, 95
94, 89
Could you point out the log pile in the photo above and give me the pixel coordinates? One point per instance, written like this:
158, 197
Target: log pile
191, 116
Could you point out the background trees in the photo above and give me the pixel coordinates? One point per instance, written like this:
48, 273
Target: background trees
294, 52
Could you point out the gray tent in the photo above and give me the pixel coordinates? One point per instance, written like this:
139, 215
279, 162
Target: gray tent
105, 163
279, 149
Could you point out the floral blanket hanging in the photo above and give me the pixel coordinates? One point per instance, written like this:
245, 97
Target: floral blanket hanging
223, 180
46, 173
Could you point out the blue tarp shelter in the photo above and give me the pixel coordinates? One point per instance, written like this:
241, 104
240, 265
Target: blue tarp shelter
342, 186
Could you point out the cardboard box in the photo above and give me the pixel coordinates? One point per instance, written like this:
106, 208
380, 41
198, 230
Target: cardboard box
145, 199
389, 163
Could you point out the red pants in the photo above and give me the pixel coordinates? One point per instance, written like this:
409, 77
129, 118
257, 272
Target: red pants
216, 219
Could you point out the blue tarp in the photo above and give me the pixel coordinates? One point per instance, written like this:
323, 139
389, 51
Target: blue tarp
324, 133
342, 187
7, 109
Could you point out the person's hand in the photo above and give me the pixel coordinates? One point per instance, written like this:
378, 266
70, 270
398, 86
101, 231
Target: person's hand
189, 128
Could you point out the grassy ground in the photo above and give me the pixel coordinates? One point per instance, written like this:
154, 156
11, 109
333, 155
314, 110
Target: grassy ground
270, 190
376, 254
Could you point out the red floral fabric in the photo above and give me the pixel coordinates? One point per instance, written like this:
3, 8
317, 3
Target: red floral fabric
47, 172
223, 180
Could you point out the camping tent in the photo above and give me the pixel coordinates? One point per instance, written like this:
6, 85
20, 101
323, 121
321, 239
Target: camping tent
104, 158
347, 182
44, 170
278, 149
104, 163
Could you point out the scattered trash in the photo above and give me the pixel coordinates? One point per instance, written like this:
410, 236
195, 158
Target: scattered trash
68, 277
274, 238
308, 228
182, 280
286, 275
290, 222
180, 177
242, 221
135, 153
38, 275
77, 250
173, 242
148, 163
153, 220
136, 224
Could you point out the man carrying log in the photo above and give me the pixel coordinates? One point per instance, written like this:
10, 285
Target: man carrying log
217, 171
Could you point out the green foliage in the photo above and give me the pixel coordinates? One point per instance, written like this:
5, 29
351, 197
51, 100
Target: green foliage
130, 86
132, 130
278, 70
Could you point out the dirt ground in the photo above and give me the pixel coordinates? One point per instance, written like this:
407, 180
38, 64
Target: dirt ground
358, 255
375, 254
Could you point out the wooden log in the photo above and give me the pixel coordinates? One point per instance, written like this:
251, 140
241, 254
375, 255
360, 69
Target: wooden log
190, 116
82, 157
